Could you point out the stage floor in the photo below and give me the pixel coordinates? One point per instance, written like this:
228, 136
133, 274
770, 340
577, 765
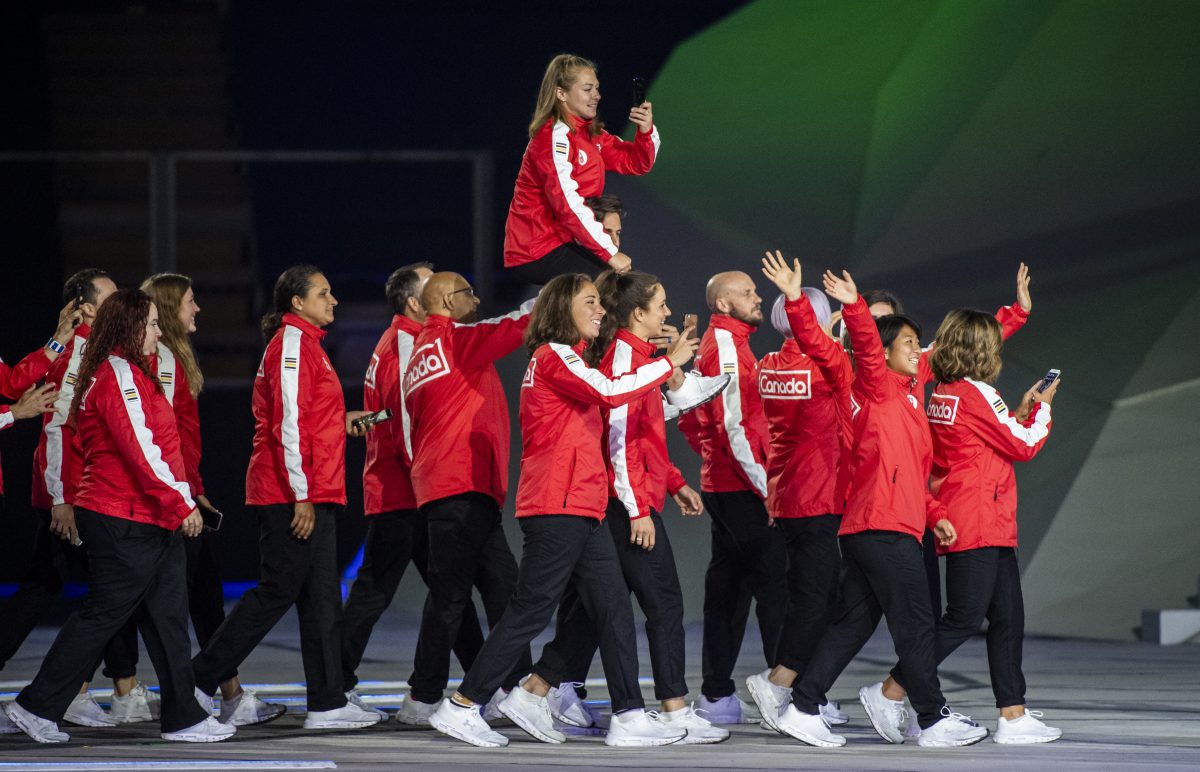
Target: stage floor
1120, 705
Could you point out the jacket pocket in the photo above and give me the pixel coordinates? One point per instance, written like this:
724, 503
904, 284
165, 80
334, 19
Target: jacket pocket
568, 480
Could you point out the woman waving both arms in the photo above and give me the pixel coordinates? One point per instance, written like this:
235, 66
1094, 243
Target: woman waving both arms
550, 229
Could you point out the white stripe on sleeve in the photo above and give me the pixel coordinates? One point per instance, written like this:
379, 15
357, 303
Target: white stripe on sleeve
52, 475
607, 387
404, 349
731, 399
6, 419
570, 188
166, 372
618, 435
145, 438
1029, 435
654, 138
289, 385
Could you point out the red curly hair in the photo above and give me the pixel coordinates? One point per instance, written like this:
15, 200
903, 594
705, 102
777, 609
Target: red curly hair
120, 328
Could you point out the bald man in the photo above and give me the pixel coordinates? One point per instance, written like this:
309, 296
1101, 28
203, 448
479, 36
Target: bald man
397, 533
749, 558
460, 441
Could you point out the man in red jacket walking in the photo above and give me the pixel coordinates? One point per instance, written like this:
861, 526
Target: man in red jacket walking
748, 555
460, 441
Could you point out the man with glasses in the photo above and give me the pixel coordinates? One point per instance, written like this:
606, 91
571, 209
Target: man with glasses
460, 440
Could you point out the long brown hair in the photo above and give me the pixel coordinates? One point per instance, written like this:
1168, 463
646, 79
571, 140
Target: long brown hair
967, 345
551, 320
167, 291
120, 329
621, 295
560, 73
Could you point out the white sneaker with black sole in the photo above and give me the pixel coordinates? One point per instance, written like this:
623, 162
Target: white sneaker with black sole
209, 730
140, 704
356, 700
700, 731
641, 729
1025, 730
346, 717
697, 389
466, 724
833, 714
85, 711
248, 710
532, 714
414, 712
769, 697
807, 728
567, 708
38, 728
887, 716
953, 730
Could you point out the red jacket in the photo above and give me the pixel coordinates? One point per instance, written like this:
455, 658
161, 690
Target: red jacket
13, 383
731, 431
808, 418
640, 473
562, 166
58, 455
387, 472
459, 412
562, 465
178, 392
132, 464
299, 451
975, 442
893, 451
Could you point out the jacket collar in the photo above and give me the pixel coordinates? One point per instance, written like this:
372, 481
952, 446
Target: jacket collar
437, 320
902, 380
790, 346
404, 324
726, 322
83, 330
643, 347
303, 326
580, 125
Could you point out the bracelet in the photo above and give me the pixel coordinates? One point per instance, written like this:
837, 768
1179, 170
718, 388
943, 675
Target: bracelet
55, 346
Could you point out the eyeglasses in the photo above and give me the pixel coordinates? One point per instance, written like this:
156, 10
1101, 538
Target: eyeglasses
470, 292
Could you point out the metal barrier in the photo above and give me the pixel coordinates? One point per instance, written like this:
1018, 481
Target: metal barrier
161, 168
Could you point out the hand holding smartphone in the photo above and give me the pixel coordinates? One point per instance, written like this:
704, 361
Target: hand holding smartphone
1049, 380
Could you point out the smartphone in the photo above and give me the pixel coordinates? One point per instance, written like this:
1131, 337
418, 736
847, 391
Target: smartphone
77, 304
690, 320
1050, 378
639, 91
212, 519
367, 421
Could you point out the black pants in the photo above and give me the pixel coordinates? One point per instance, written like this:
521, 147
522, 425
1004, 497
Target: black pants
814, 569
394, 539
885, 576
565, 258
748, 558
299, 571
132, 567
984, 584
206, 594
652, 578
933, 572
467, 549
558, 548
53, 561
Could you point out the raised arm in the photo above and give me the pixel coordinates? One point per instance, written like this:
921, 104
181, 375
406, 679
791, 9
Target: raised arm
829, 356
869, 358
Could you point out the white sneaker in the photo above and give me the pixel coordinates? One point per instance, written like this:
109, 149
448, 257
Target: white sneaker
414, 712
491, 711
346, 717
40, 729
206, 701
953, 730
85, 711
670, 412
209, 730
833, 714
1026, 730
531, 713
6, 724
140, 704
567, 708
465, 724
770, 698
699, 730
639, 729
808, 729
912, 729
697, 389
354, 699
887, 716
728, 710
248, 710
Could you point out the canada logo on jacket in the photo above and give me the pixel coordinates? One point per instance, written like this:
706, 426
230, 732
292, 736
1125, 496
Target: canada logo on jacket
527, 379
785, 384
942, 409
428, 364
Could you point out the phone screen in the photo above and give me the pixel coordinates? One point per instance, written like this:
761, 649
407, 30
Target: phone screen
1050, 378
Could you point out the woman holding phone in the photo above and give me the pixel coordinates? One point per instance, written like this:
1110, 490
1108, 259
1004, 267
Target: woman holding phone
550, 229
561, 500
